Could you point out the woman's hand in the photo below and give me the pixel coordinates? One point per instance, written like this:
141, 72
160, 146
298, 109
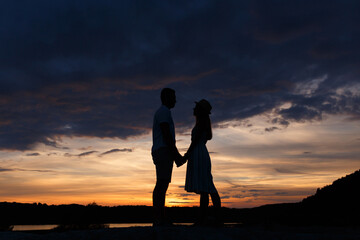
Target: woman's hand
181, 161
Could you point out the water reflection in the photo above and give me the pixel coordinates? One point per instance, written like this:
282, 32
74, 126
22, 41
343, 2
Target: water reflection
111, 225
34, 227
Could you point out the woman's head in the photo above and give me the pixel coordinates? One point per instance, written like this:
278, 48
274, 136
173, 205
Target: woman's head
202, 108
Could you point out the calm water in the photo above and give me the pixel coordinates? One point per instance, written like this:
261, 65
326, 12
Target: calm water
33, 227
111, 225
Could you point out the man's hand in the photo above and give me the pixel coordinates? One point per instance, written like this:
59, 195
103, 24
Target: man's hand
181, 161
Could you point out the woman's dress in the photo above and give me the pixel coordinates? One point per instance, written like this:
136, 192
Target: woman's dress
198, 172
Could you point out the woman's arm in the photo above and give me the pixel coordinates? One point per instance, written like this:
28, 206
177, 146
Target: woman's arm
194, 140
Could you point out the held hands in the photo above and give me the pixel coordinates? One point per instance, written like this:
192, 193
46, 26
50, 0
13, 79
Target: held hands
180, 160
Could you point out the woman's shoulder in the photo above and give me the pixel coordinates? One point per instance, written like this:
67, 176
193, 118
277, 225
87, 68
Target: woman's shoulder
195, 129
198, 133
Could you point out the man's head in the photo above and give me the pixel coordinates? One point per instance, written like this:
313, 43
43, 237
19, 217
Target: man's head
168, 97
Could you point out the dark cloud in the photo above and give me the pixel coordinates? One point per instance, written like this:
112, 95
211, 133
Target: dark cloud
301, 113
287, 171
52, 153
96, 68
234, 185
271, 129
5, 169
81, 154
239, 196
116, 150
280, 121
266, 192
23, 170
281, 193
32, 154
86, 153
254, 190
185, 194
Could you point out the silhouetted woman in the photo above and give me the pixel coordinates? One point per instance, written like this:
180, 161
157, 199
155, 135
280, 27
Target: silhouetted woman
198, 173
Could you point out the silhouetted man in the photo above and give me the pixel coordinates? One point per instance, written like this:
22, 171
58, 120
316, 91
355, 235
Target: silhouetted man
164, 152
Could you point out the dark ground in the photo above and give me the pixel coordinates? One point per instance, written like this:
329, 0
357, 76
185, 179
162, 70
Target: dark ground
244, 232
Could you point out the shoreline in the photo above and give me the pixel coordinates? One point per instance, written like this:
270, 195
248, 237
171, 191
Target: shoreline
254, 232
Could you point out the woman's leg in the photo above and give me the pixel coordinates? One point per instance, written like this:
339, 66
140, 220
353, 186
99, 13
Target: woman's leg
204, 200
215, 198
204, 204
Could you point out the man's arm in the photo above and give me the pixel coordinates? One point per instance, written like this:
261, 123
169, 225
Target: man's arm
169, 140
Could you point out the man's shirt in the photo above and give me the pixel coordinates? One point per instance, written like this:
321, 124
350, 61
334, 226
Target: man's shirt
162, 115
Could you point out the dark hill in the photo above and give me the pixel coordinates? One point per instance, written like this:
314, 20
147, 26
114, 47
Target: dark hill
342, 193
335, 204
338, 203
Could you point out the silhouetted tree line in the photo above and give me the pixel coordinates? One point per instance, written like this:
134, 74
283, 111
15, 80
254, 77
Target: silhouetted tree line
343, 192
335, 204
338, 202
37, 213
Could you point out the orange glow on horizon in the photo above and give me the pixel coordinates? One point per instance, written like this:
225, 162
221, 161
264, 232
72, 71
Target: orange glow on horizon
249, 168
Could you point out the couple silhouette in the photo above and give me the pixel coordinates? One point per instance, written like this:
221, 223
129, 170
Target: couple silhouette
164, 153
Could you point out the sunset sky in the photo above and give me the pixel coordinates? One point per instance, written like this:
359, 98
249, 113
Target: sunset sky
80, 82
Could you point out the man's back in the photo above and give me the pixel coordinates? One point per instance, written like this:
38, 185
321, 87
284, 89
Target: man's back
162, 115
